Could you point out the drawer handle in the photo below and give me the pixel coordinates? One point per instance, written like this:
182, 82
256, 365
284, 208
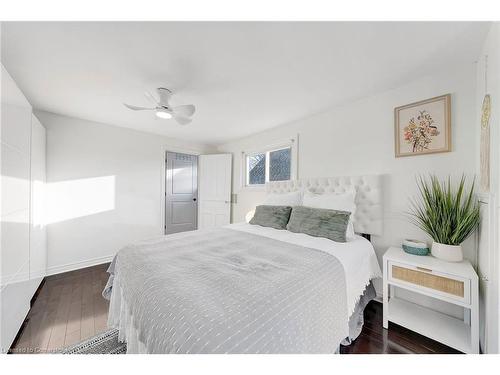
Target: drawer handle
424, 269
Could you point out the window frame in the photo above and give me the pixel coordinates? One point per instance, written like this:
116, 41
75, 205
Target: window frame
290, 143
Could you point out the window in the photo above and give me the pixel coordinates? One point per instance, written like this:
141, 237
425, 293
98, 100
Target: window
280, 164
256, 167
272, 165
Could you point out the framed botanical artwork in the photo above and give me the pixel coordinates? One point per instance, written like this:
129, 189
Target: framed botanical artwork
423, 127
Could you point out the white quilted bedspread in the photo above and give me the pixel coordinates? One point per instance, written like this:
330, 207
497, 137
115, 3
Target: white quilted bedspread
228, 291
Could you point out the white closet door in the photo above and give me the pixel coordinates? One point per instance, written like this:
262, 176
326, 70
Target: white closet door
16, 287
214, 190
38, 235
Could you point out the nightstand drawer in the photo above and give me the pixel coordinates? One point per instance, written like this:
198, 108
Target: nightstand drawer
452, 287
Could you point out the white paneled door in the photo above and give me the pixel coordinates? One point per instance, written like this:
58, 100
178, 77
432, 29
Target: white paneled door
214, 190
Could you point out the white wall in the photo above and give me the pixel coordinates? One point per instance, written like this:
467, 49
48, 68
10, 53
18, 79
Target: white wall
358, 138
104, 187
489, 259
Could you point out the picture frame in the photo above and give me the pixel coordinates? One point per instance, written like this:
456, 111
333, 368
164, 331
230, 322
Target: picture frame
423, 127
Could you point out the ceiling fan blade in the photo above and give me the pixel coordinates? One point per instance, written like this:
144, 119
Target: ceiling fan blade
182, 120
184, 110
165, 95
151, 98
136, 108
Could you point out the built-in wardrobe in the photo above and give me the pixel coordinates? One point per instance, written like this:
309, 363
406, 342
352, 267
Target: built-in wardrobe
23, 238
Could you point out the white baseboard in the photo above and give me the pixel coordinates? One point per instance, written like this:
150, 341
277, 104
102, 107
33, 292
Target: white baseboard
54, 270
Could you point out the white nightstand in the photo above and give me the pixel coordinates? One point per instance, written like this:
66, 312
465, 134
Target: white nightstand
456, 283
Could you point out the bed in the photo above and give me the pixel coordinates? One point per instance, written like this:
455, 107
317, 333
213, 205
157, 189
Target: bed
248, 289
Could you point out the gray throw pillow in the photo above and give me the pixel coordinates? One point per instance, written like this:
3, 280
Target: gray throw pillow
319, 222
271, 216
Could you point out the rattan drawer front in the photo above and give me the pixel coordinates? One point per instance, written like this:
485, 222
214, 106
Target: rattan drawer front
428, 280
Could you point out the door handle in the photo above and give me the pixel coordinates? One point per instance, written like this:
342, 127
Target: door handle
194, 199
226, 202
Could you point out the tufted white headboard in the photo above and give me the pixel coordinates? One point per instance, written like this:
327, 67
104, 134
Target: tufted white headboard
368, 216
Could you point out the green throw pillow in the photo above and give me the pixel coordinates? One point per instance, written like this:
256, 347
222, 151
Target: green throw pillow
319, 222
271, 216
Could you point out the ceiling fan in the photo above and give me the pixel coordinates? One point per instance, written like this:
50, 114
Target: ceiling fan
182, 113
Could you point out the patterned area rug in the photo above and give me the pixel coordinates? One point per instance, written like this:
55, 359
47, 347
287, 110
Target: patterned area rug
104, 343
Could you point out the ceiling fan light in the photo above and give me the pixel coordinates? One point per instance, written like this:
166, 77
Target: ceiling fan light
163, 114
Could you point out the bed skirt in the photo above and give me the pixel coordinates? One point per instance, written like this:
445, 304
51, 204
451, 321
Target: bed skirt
121, 318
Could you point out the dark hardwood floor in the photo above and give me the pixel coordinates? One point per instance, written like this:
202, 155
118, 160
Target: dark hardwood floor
374, 339
69, 308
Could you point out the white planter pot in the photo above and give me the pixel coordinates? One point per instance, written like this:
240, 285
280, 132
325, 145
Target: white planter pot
448, 253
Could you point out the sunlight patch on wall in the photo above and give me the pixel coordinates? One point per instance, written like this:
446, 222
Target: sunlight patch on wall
72, 199
38, 203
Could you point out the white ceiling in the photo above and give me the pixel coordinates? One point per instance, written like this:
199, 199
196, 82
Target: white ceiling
243, 77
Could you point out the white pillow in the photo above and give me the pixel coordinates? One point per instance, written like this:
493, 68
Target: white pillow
334, 201
285, 199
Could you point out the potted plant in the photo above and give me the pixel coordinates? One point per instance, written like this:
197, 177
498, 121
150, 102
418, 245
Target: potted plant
448, 215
